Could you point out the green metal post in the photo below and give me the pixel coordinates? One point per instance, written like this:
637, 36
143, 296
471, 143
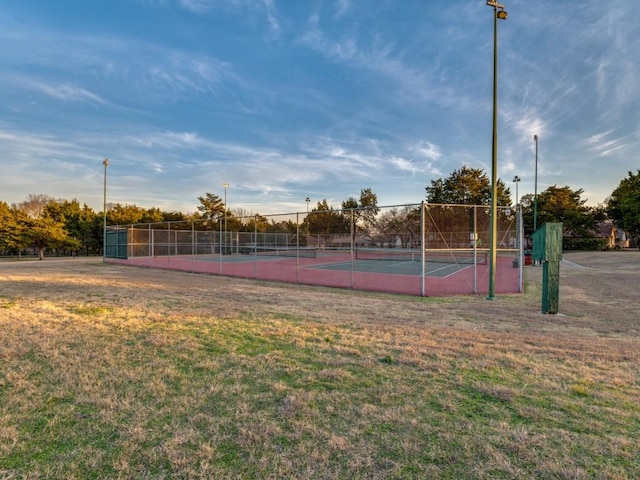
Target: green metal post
494, 164
105, 162
535, 189
550, 286
547, 249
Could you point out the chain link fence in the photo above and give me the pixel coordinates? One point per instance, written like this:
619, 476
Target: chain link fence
417, 249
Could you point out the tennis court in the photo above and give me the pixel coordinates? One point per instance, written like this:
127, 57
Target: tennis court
397, 268
344, 270
437, 263
438, 254
343, 262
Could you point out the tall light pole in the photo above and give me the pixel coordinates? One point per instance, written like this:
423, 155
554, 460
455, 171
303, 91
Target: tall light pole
105, 162
306, 219
225, 185
516, 180
498, 14
535, 189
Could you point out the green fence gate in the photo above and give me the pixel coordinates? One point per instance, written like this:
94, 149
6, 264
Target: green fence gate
116, 244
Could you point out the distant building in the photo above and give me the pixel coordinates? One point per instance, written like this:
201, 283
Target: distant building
607, 231
613, 236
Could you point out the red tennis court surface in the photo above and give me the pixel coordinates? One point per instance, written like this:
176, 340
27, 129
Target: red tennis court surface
342, 271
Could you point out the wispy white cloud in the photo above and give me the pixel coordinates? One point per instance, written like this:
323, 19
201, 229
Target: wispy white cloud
158, 167
604, 145
525, 122
405, 165
196, 6
203, 7
384, 59
170, 140
272, 17
421, 159
63, 91
428, 150
187, 74
614, 58
25, 145
128, 64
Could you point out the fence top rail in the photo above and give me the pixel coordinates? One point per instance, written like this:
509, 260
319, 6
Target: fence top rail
220, 218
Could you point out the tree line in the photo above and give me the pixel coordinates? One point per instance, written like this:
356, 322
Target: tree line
555, 204
64, 227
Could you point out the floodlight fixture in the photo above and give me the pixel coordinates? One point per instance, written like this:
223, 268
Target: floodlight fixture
516, 180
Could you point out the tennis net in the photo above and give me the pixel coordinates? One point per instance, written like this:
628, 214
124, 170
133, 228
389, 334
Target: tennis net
461, 256
278, 251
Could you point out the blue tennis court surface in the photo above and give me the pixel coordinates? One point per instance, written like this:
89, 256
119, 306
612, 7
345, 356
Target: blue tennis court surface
396, 268
406, 267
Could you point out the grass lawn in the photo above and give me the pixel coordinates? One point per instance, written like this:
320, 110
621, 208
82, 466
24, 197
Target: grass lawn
121, 372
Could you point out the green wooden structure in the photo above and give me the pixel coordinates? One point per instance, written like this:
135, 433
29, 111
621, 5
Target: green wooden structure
116, 244
547, 249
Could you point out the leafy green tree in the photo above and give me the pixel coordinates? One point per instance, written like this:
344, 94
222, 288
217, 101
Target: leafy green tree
526, 206
624, 206
118, 214
21, 241
97, 232
46, 233
78, 222
284, 226
258, 223
211, 206
152, 215
57, 209
9, 230
361, 212
174, 216
466, 186
325, 221
560, 204
80, 225
40, 221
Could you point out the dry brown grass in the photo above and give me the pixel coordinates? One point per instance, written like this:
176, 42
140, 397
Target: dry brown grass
120, 372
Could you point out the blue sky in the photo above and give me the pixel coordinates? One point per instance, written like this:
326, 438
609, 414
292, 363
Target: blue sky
288, 99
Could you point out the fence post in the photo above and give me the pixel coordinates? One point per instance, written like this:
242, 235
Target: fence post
297, 247
220, 245
255, 246
475, 246
520, 236
423, 245
193, 246
351, 241
168, 245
